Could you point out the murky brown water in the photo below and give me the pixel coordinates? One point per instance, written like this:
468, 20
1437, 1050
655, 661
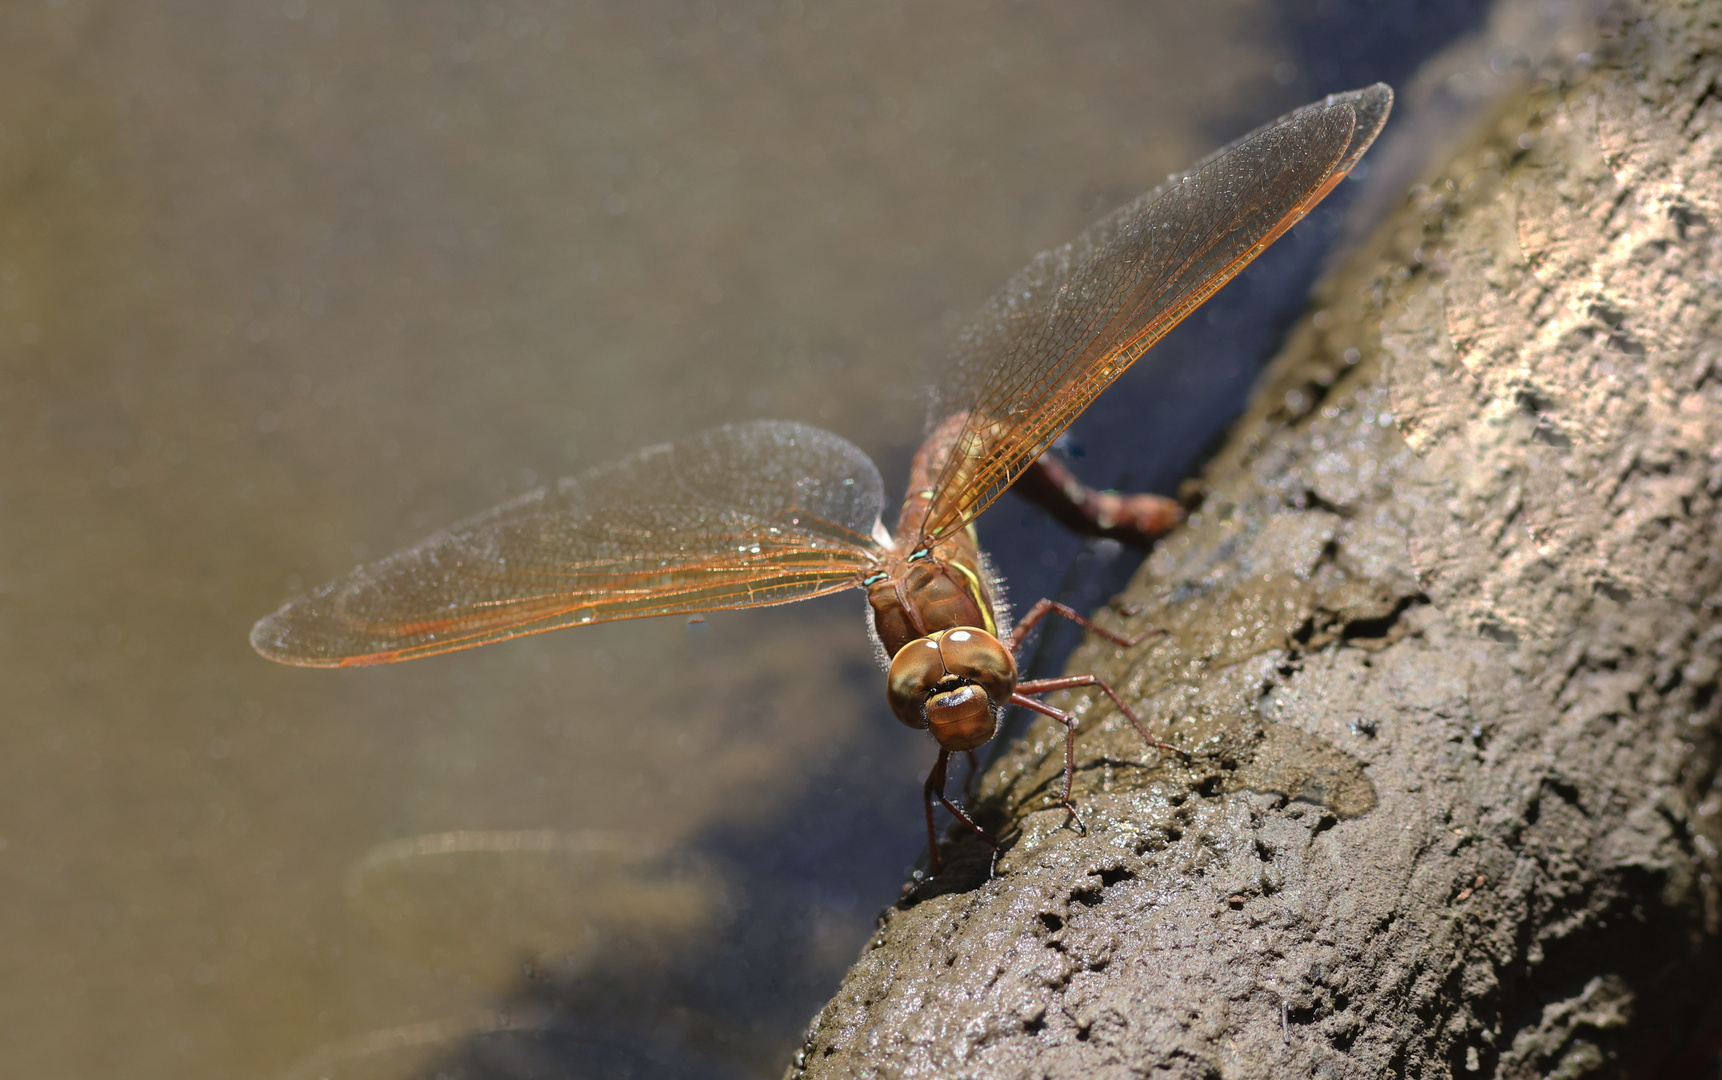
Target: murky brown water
287, 284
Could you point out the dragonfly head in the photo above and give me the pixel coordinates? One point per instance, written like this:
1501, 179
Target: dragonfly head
954, 683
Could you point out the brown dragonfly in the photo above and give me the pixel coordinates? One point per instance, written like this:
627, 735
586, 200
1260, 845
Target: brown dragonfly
763, 513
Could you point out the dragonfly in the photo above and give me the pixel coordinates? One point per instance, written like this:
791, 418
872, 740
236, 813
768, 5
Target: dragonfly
769, 512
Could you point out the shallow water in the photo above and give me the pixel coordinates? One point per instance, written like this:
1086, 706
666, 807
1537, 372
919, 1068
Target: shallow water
286, 285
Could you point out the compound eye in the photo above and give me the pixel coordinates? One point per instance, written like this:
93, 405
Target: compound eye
915, 671
978, 657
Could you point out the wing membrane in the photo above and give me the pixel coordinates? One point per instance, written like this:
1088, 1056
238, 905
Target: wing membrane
739, 516
1069, 324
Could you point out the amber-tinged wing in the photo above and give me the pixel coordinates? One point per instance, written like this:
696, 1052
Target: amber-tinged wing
1069, 324
739, 516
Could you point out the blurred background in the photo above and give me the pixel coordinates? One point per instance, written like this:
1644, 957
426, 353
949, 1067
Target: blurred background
287, 284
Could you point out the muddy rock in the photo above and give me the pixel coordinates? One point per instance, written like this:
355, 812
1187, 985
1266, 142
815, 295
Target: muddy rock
1442, 643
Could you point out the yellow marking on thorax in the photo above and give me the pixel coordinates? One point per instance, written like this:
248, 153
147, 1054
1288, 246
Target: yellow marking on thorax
980, 594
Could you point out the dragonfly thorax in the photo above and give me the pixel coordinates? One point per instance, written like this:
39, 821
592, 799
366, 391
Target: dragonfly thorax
924, 597
954, 683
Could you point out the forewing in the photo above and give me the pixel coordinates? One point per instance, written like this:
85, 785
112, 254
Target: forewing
1069, 324
739, 516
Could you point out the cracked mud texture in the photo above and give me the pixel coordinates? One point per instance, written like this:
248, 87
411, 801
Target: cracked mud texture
1443, 643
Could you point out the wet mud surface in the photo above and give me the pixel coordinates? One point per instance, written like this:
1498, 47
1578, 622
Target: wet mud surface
1441, 645
288, 284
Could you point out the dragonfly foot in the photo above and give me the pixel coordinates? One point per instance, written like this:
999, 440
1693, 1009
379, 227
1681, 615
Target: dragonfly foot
1075, 818
1168, 748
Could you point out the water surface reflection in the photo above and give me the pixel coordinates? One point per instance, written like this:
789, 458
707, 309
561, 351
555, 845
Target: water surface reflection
288, 283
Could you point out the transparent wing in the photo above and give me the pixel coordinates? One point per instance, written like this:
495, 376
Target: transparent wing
1069, 324
739, 516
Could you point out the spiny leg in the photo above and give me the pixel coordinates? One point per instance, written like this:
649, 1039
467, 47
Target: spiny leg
934, 788
969, 780
1043, 608
1069, 682
937, 776
1069, 723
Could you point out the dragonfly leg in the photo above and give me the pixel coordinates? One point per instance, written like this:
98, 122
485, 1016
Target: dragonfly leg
934, 788
1043, 608
1069, 682
1069, 723
1137, 520
974, 771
